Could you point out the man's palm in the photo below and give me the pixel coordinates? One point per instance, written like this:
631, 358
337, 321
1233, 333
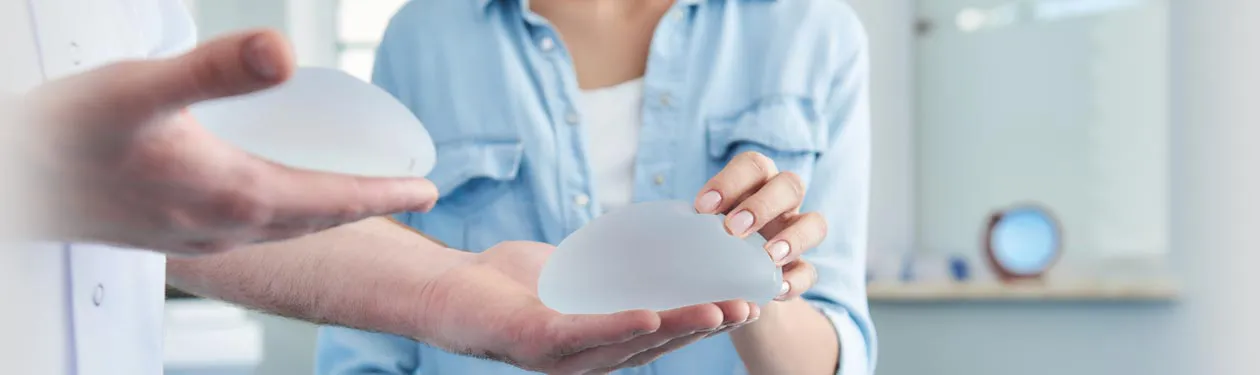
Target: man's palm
491, 303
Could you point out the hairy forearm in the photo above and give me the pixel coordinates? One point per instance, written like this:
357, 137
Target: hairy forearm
368, 275
791, 337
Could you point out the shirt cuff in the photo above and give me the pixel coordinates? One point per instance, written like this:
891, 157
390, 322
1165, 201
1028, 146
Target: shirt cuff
854, 355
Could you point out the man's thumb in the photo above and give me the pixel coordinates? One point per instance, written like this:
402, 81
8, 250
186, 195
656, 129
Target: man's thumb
231, 65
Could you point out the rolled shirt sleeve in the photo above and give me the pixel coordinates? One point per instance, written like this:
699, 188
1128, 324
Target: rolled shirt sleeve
839, 189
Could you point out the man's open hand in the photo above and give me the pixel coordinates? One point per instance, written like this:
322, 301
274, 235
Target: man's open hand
489, 308
126, 164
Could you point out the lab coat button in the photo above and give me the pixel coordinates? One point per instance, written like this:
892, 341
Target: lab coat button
581, 200
572, 118
98, 295
547, 44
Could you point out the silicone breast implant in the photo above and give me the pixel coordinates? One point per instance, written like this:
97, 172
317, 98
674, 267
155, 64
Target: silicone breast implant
326, 120
656, 256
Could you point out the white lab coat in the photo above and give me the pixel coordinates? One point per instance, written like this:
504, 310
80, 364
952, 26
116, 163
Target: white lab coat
93, 310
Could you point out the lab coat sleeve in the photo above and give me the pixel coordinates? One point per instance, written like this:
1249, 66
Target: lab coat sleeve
839, 190
345, 351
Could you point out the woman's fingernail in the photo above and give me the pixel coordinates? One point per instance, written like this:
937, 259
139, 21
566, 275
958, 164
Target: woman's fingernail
259, 58
779, 250
708, 202
784, 289
741, 222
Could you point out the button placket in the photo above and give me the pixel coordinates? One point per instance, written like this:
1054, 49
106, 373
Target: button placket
576, 184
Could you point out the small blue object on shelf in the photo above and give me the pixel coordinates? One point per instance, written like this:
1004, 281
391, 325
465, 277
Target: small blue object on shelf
907, 270
959, 269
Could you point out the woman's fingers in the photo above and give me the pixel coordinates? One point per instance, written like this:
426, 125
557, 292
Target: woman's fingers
783, 194
798, 277
743, 176
793, 235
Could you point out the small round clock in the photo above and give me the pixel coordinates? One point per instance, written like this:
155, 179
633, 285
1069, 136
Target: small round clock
1022, 242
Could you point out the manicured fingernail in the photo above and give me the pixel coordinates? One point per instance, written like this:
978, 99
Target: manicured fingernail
783, 289
259, 58
741, 222
754, 312
708, 202
779, 250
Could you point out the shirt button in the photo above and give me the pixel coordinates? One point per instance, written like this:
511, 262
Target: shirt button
572, 118
665, 100
547, 44
581, 200
659, 179
98, 295
678, 15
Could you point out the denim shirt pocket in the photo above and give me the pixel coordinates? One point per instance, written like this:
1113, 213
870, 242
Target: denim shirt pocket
469, 173
471, 176
785, 129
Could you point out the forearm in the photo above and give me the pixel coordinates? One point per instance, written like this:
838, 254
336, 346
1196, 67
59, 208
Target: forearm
791, 337
368, 275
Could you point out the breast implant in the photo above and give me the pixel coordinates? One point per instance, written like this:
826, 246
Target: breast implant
656, 256
325, 120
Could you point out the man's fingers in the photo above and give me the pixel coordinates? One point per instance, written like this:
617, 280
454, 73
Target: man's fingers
742, 176
232, 65
674, 324
735, 312
319, 199
650, 355
576, 333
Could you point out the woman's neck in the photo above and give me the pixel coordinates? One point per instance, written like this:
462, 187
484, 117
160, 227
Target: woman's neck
599, 10
609, 40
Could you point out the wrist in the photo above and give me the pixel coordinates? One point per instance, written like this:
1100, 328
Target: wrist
433, 296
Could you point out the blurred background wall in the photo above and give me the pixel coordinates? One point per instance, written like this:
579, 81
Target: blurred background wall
1196, 235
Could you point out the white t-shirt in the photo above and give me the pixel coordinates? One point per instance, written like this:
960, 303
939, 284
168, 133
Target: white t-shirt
99, 308
613, 116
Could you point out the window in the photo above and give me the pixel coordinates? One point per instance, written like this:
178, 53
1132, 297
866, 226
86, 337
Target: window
360, 24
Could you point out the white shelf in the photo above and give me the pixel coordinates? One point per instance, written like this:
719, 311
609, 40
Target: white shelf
1149, 291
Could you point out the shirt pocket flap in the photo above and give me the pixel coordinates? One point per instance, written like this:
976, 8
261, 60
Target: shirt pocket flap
460, 163
786, 125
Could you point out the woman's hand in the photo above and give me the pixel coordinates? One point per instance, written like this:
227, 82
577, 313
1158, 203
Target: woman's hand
758, 198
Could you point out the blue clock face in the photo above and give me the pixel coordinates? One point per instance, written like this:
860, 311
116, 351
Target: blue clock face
1025, 241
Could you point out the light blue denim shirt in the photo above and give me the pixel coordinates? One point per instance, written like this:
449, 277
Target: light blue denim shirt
496, 88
